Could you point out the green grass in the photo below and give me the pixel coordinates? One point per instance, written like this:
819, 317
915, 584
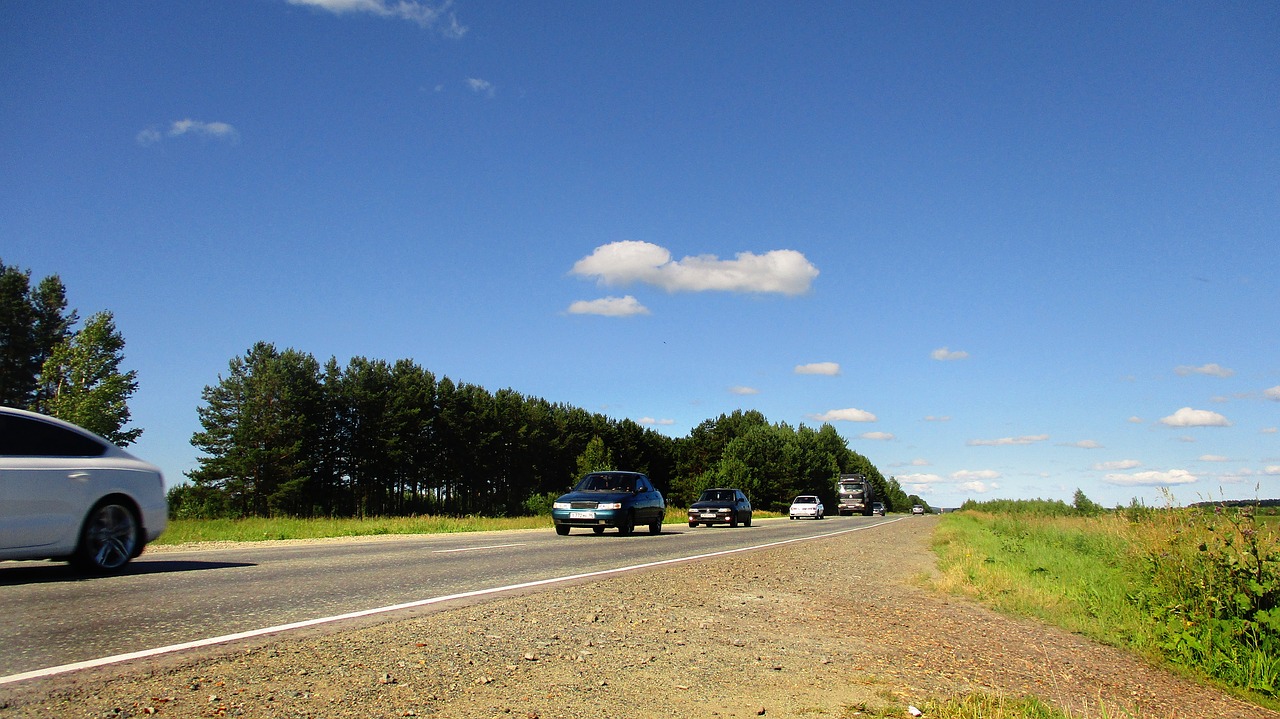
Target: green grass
1193, 589
183, 531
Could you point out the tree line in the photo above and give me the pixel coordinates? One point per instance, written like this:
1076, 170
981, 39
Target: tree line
49, 366
284, 435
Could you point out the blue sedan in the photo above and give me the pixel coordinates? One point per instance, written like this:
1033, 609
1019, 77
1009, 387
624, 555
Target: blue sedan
623, 500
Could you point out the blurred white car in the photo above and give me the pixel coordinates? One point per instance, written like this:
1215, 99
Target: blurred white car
68, 494
806, 505
917, 509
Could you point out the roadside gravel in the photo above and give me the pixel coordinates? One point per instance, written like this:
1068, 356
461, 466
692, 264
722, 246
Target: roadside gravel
833, 627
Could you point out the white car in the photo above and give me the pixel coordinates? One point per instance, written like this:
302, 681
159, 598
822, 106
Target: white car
806, 505
68, 494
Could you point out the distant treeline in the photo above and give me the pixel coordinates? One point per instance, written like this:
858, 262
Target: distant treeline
285, 436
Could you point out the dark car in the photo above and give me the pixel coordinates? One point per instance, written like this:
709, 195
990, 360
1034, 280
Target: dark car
877, 508
721, 506
624, 500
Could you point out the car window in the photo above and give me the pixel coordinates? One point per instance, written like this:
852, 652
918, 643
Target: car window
26, 437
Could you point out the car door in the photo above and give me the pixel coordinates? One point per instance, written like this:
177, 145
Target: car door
45, 479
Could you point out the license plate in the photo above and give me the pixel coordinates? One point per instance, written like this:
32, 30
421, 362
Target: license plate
708, 515
582, 515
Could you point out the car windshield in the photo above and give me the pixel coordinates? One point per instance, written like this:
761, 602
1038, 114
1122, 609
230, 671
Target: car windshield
712, 495
806, 500
606, 483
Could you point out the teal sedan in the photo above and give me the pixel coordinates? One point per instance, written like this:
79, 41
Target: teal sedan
623, 500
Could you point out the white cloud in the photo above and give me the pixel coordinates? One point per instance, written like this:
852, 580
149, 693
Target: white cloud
1135, 420
207, 130
1270, 430
744, 390
418, 12
1187, 417
844, 415
830, 369
1211, 369
885, 436
1152, 479
943, 354
1082, 444
1272, 393
919, 479
1213, 458
618, 263
918, 462
933, 418
1272, 469
1117, 464
978, 487
651, 420
971, 474
609, 307
481, 87
1006, 441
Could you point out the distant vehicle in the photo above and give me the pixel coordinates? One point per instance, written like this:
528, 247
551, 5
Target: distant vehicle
721, 506
623, 500
917, 509
68, 494
855, 495
806, 505
877, 508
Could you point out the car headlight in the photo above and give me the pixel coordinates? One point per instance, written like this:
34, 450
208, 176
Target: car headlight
609, 505
559, 505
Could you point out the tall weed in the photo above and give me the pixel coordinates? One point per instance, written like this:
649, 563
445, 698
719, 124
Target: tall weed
1199, 588
1213, 592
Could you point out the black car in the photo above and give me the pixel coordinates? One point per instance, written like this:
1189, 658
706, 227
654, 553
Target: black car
721, 506
610, 499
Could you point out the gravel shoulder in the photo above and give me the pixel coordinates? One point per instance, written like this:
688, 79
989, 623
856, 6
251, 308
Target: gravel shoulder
828, 627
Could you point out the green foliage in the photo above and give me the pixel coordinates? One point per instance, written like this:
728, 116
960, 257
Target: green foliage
1214, 591
1198, 587
595, 458
32, 323
1085, 506
81, 381
283, 436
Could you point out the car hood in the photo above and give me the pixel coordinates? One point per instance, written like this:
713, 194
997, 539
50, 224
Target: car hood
713, 504
595, 496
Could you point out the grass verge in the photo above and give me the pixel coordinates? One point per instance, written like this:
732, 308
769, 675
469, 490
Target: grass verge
1195, 589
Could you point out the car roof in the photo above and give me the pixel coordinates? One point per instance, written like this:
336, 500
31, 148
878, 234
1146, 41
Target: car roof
112, 447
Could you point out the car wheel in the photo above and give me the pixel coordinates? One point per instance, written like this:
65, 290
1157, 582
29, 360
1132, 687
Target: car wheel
693, 524
656, 527
562, 529
628, 525
748, 522
109, 538
598, 530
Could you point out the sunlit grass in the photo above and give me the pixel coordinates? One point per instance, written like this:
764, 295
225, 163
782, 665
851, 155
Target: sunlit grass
260, 529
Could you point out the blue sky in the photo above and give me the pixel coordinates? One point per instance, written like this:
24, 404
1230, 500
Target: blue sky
1007, 249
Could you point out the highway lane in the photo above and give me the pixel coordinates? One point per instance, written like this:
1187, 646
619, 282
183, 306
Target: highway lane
50, 616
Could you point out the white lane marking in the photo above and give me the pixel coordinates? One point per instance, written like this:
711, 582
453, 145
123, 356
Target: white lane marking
198, 643
473, 549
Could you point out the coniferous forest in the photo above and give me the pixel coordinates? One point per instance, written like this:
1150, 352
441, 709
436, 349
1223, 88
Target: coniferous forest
283, 435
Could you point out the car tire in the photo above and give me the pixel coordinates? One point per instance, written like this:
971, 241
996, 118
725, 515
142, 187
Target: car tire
562, 529
656, 527
109, 538
733, 521
693, 524
598, 530
628, 525
748, 522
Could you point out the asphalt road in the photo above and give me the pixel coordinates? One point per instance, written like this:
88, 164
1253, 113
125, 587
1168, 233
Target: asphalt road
52, 617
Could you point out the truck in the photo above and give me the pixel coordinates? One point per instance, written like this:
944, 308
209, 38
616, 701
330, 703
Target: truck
855, 495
